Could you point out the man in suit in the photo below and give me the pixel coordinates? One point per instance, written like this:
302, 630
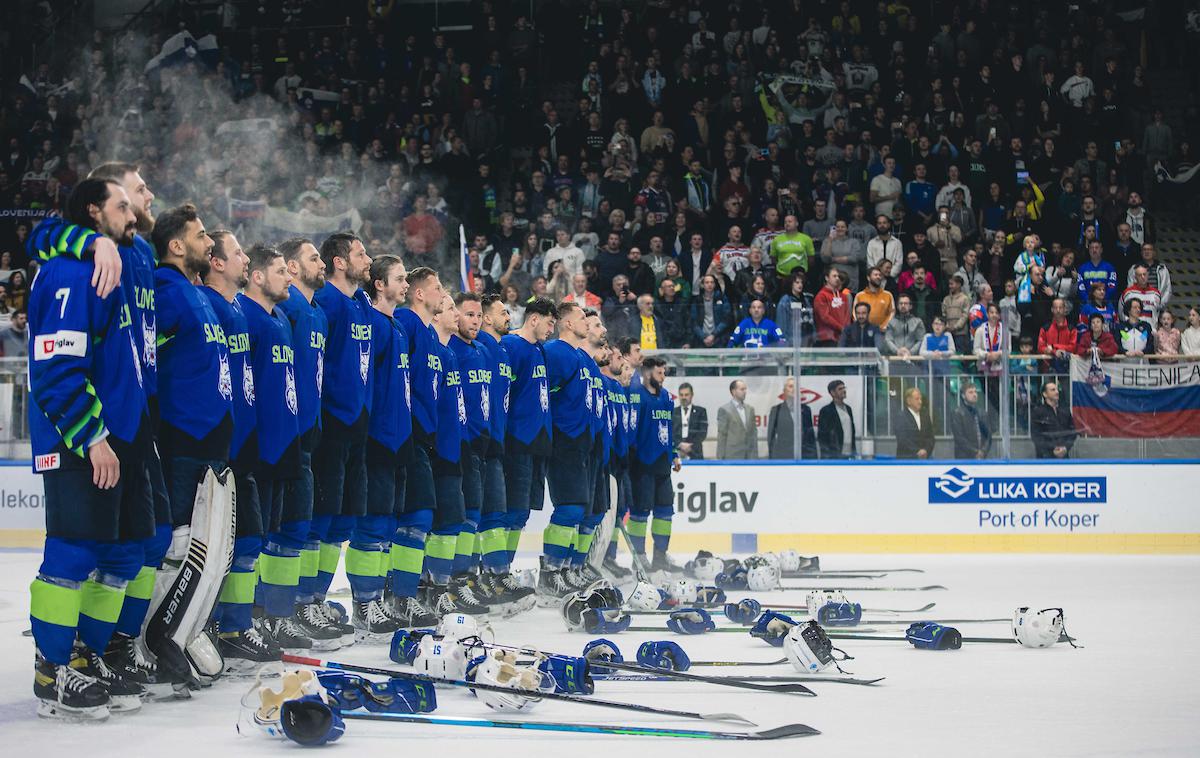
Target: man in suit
781, 428
972, 436
836, 437
689, 425
737, 432
694, 262
914, 428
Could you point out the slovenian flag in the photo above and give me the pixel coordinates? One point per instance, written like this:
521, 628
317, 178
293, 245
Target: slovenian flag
466, 277
184, 48
1122, 399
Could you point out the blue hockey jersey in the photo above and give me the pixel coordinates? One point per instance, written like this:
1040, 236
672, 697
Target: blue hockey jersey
528, 428
425, 366
391, 389
243, 447
195, 383
346, 406
85, 379
310, 330
571, 393
477, 392
277, 403
502, 375
451, 408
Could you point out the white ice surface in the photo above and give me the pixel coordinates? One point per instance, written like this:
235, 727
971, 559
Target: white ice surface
1132, 690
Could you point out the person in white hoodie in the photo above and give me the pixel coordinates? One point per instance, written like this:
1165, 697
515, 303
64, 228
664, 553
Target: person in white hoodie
572, 257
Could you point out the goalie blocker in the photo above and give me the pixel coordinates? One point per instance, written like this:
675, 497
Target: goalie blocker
187, 588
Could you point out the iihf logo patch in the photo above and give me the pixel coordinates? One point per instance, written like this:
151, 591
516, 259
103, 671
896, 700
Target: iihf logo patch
664, 434
248, 383
290, 390
225, 379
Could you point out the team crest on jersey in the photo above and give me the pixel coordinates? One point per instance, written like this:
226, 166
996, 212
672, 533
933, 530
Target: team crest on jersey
462, 408
248, 383
225, 379
625, 418
149, 342
599, 406
587, 399
364, 363
544, 397
506, 394
320, 370
485, 402
407, 390
435, 387
664, 434
290, 390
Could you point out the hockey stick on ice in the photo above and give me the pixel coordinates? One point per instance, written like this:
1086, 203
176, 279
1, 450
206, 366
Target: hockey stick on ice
627, 730
640, 569
926, 588
303, 660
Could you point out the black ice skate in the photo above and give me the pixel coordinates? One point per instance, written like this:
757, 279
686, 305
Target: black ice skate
125, 657
372, 624
552, 586
287, 634
67, 693
245, 651
124, 695
316, 624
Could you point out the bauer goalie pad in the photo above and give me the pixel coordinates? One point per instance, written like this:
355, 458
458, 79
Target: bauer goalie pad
177, 619
605, 531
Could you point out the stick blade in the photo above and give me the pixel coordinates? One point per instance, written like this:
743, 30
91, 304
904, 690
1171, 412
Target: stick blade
730, 717
784, 732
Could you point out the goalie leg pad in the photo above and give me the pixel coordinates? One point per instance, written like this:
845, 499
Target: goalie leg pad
188, 602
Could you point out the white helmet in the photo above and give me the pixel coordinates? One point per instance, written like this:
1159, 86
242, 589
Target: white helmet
1037, 628
762, 578
441, 658
705, 570
645, 597
789, 561
460, 626
682, 591
817, 599
500, 668
808, 648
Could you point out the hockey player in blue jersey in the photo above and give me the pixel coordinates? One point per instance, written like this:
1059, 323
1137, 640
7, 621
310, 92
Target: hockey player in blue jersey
477, 396
506, 595
132, 267
89, 429
389, 437
195, 387
567, 475
652, 461
425, 295
339, 463
272, 360
616, 372
594, 355
446, 592
241, 646
528, 433
310, 331
756, 330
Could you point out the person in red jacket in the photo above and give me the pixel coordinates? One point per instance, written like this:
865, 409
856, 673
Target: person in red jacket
831, 309
1058, 337
1097, 337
